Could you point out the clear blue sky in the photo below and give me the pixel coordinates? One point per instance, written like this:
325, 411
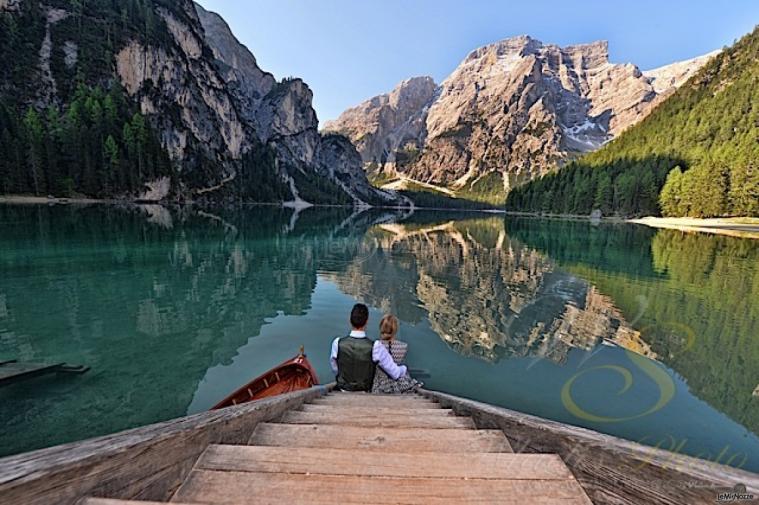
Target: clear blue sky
350, 50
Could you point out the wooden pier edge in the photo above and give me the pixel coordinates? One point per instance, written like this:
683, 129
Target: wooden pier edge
610, 469
146, 463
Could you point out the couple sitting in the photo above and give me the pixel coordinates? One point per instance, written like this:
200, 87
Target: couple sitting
361, 364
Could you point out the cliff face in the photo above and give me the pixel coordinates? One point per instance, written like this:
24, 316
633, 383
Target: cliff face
283, 117
389, 127
229, 130
514, 109
185, 98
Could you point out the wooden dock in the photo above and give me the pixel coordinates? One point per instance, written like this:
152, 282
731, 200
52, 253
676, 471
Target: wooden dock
364, 449
320, 447
13, 371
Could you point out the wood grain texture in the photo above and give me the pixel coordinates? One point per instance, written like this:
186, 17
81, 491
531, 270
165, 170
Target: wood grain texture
294, 489
380, 411
379, 401
109, 501
611, 470
370, 420
379, 439
357, 462
145, 463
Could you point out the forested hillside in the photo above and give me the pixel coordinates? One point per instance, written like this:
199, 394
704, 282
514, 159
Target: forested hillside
86, 138
97, 145
696, 155
157, 100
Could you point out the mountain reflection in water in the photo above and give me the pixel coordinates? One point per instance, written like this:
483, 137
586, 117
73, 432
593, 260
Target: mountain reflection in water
174, 307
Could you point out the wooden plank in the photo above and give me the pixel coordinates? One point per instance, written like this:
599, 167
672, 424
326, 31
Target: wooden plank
363, 394
378, 420
382, 411
379, 401
379, 439
611, 470
145, 463
246, 458
374, 396
233, 488
13, 372
109, 501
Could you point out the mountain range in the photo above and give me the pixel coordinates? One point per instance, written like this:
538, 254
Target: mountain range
510, 112
156, 100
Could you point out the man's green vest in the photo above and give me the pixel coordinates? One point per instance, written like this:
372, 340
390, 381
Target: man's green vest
355, 366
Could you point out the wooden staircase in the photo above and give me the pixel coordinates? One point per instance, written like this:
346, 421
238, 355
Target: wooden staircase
370, 449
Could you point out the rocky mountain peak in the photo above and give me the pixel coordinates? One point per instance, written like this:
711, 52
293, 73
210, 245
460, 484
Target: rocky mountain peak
412, 92
589, 55
669, 77
513, 109
391, 125
520, 45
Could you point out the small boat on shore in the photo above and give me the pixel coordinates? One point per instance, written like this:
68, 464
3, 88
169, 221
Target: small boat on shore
293, 375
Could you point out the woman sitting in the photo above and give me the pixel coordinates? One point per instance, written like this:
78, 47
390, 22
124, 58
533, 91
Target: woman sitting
382, 383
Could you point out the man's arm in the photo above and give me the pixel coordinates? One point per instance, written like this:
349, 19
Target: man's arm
333, 355
386, 362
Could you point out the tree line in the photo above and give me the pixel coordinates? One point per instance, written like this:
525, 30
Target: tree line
95, 146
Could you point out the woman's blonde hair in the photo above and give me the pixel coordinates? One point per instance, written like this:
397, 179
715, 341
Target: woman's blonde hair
388, 327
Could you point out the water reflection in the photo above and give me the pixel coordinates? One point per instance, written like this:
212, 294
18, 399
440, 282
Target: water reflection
172, 308
485, 294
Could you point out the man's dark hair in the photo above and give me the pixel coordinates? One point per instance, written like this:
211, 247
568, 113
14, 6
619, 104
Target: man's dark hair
359, 315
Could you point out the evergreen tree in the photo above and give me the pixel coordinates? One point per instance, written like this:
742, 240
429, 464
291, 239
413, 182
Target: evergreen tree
671, 194
604, 197
34, 136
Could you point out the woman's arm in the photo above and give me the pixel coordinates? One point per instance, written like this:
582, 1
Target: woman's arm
386, 362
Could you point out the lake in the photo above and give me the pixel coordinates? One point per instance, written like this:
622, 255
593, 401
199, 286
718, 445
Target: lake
650, 335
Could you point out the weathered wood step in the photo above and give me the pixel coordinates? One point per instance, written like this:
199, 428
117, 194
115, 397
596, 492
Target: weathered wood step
367, 400
238, 488
246, 458
363, 394
370, 420
379, 439
383, 411
110, 501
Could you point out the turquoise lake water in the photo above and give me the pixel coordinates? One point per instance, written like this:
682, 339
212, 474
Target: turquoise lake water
650, 335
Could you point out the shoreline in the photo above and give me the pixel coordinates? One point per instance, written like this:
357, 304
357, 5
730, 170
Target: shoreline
740, 227
42, 200
565, 217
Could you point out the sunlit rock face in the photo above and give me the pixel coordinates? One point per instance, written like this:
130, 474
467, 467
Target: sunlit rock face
516, 108
388, 128
484, 294
283, 117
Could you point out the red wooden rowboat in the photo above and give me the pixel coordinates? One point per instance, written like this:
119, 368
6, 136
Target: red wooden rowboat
292, 375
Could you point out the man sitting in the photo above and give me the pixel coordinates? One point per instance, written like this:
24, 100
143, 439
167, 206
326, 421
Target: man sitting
354, 358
